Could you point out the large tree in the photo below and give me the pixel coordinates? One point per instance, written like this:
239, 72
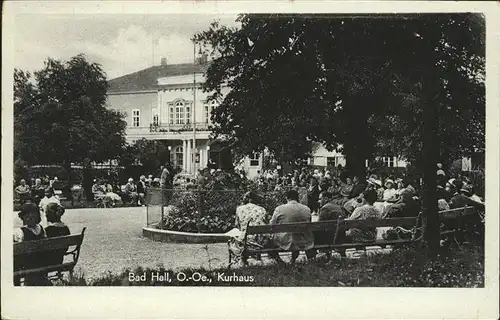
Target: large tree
60, 115
364, 82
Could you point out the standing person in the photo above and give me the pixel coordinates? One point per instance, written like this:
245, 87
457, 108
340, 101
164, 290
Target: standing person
165, 185
441, 175
23, 191
290, 212
142, 190
313, 194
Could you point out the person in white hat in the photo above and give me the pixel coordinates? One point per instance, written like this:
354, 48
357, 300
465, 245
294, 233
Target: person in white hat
390, 194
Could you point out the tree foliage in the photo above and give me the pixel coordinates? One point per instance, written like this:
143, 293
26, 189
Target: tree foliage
358, 82
410, 85
151, 154
60, 115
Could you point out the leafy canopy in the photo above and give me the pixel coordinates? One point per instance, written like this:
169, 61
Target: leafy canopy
356, 82
60, 115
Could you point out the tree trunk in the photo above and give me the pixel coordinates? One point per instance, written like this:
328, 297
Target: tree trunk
358, 140
430, 217
355, 162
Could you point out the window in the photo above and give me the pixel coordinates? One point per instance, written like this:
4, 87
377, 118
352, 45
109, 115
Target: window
171, 113
331, 162
179, 160
156, 119
254, 159
136, 118
179, 112
188, 114
208, 107
388, 161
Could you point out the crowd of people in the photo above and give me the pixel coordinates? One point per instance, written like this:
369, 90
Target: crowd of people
311, 194
332, 196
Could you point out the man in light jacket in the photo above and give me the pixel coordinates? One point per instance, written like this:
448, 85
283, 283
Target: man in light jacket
292, 212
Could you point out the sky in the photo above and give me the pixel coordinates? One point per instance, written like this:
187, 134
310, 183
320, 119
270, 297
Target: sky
121, 43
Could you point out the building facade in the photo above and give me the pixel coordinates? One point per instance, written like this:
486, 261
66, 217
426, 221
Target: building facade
167, 102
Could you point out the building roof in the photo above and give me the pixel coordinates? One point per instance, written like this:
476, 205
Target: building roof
146, 79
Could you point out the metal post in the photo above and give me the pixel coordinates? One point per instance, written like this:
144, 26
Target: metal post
194, 110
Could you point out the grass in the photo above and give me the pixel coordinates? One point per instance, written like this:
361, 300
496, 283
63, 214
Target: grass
406, 267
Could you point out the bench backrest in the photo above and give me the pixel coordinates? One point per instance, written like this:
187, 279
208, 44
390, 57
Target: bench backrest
456, 213
377, 223
48, 244
292, 227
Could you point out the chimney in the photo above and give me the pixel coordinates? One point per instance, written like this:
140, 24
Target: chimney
163, 61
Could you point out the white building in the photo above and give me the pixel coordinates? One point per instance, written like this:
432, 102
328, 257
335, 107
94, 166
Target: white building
166, 102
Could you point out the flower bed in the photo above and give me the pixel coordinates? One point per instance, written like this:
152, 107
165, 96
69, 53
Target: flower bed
212, 207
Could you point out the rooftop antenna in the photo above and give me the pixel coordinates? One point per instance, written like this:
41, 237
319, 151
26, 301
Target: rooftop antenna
153, 50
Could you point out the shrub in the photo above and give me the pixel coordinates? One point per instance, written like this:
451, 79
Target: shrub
203, 210
213, 209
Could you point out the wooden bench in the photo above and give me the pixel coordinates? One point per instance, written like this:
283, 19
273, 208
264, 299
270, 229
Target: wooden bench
302, 227
71, 243
453, 221
409, 223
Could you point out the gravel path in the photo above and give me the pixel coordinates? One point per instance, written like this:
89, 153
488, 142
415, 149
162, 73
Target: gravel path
113, 241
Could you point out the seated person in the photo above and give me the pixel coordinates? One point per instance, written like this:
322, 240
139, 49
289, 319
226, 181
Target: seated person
406, 206
352, 204
49, 198
358, 187
400, 186
346, 188
112, 197
97, 189
291, 212
131, 191
55, 228
442, 203
38, 191
248, 212
390, 194
463, 198
364, 212
30, 231
23, 191
328, 211
459, 198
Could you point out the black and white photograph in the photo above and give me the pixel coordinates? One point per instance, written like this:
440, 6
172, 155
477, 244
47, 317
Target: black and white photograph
249, 149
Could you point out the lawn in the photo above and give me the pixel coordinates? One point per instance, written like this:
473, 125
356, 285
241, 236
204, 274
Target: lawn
461, 267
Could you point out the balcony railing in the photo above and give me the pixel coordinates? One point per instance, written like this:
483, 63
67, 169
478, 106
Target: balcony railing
200, 126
